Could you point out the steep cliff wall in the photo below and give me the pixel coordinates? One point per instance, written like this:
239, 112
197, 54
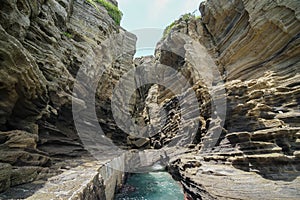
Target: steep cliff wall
43, 45
255, 46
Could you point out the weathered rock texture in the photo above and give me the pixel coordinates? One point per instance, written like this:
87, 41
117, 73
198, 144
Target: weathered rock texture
255, 46
43, 44
253, 100
90, 180
258, 52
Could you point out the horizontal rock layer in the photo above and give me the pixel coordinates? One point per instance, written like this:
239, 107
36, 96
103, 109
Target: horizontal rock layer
257, 51
249, 116
43, 46
237, 111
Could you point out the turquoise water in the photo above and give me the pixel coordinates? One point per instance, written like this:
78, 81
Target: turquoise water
151, 186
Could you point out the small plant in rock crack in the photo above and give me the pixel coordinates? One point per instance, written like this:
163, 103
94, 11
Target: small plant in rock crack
68, 35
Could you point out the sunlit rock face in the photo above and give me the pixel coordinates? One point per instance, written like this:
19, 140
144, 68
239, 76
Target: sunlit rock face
257, 51
255, 46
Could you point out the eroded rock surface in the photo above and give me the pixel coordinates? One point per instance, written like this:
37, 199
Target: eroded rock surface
255, 46
246, 111
43, 45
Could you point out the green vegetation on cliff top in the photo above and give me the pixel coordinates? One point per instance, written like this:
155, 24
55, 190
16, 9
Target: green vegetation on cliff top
112, 10
186, 17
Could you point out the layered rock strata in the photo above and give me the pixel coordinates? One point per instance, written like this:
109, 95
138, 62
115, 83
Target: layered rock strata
242, 132
255, 46
43, 45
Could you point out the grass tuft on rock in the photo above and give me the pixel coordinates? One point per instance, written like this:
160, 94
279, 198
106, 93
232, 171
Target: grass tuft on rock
68, 35
112, 10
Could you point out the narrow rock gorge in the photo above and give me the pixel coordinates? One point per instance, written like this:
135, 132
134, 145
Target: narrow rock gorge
230, 113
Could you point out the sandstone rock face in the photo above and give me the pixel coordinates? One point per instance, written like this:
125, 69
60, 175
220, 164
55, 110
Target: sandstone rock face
257, 51
236, 118
43, 45
249, 117
255, 46
5, 172
268, 30
208, 180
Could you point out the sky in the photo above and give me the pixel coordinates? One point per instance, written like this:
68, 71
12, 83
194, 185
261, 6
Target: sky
148, 18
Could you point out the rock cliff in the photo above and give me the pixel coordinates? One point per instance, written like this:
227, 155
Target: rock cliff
255, 46
43, 45
233, 119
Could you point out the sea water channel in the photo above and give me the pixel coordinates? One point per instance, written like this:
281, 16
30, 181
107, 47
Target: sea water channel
150, 186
